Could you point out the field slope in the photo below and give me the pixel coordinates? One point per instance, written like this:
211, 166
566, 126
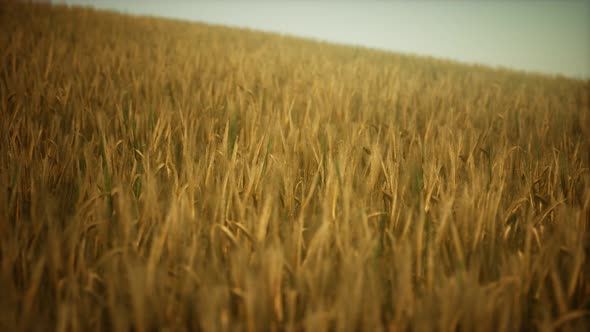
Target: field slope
163, 175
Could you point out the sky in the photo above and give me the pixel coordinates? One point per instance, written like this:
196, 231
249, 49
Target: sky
551, 37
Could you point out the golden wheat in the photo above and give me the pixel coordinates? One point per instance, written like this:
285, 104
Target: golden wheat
157, 174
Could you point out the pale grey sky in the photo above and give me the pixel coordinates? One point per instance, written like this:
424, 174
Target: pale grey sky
543, 36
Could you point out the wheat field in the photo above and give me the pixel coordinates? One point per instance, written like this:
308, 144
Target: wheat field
159, 175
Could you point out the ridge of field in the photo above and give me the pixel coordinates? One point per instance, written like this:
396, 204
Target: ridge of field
157, 174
